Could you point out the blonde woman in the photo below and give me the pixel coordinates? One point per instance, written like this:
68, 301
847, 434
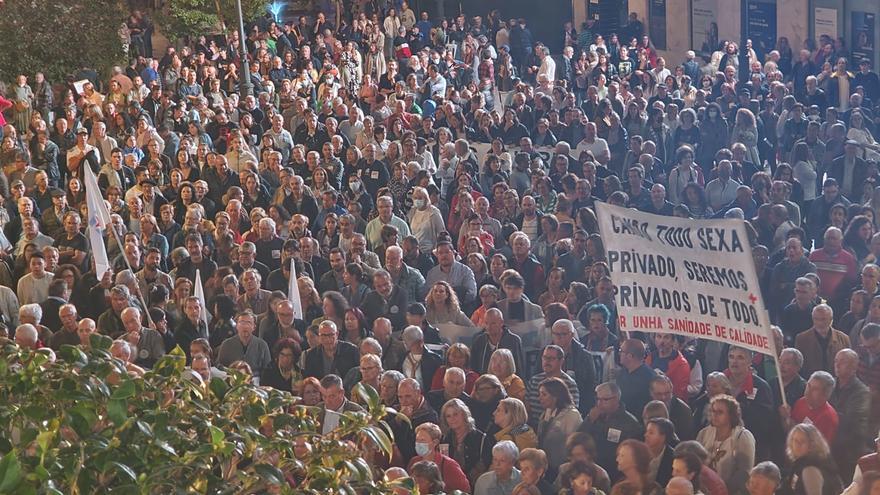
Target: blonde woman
466, 443
812, 468
510, 418
503, 366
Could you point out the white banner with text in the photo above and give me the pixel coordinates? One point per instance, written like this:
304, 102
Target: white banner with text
688, 277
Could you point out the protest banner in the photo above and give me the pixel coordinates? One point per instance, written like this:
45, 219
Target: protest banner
687, 277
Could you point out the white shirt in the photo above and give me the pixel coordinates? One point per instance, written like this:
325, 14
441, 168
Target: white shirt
548, 68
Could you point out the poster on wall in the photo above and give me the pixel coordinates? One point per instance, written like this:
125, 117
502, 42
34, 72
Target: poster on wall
657, 23
704, 27
761, 26
824, 23
862, 36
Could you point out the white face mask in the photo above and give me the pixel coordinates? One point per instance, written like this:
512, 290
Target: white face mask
355, 186
419, 203
422, 448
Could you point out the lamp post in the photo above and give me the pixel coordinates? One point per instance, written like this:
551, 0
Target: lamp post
244, 85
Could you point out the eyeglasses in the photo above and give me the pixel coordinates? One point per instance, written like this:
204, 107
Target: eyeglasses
605, 399
326, 335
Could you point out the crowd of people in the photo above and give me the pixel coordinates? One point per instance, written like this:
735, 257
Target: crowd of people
431, 183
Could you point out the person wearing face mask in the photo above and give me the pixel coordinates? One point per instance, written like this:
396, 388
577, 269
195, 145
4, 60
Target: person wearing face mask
425, 220
428, 436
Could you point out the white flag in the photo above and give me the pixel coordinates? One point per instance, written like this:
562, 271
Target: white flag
293, 292
200, 293
99, 221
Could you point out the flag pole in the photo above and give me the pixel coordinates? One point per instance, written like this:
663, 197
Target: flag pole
140, 296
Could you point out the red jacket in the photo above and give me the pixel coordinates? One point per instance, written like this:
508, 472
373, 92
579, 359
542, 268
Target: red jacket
678, 370
450, 472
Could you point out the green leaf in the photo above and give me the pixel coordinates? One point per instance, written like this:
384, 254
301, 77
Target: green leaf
10, 473
73, 354
218, 387
145, 428
270, 474
379, 438
217, 436
125, 390
124, 470
117, 411
100, 341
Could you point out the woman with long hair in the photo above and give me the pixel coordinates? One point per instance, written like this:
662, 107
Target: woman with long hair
745, 131
812, 470
559, 420
443, 306
633, 461
731, 447
467, 444
857, 237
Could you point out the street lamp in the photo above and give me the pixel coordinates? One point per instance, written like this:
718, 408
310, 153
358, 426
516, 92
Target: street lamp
245, 86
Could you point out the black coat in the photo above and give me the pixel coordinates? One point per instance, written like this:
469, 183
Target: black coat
346, 358
481, 353
375, 306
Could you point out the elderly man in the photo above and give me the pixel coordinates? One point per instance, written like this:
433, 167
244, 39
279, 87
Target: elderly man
26, 336
852, 401
331, 355
552, 360
84, 330
409, 279
284, 325
247, 258
385, 207
110, 321
147, 346
786, 272
679, 412
393, 349
790, 363
814, 407
254, 298
386, 299
269, 245
609, 424
821, 343
797, 317
453, 388
334, 403
413, 404
578, 363
121, 349
33, 314
420, 363
635, 376
503, 476
245, 346
495, 335
679, 486
66, 335
837, 268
